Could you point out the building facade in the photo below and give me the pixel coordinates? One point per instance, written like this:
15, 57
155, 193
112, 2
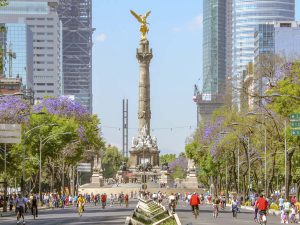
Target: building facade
42, 19
16, 40
216, 34
246, 15
76, 16
214, 46
275, 44
287, 39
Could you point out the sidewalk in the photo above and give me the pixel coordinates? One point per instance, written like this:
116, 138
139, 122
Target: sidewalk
271, 211
12, 213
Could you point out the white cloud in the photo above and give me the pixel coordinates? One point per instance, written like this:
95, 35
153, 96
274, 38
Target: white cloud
101, 37
176, 29
196, 23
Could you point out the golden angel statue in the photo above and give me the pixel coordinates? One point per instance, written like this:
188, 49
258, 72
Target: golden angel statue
142, 19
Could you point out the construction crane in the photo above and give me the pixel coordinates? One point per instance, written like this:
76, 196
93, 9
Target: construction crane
11, 55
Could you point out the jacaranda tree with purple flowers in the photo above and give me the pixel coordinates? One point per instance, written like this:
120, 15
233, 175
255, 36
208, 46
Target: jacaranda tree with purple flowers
68, 132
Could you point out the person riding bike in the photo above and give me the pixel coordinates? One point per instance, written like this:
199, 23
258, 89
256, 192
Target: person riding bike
20, 207
172, 202
215, 204
103, 200
262, 205
194, 202
234, 208
80, 202
223, 201
34, 205
126, 200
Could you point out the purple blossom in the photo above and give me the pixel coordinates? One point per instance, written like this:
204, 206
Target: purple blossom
13, 109
62, 106
181, 162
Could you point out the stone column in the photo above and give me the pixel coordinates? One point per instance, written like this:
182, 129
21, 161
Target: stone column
144, 56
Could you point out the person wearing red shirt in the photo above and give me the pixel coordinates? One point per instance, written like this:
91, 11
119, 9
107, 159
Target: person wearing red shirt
262, 205
126, 200
103, 200
194, 202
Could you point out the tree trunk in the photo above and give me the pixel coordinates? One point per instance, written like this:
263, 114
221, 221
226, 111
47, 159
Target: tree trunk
289, 171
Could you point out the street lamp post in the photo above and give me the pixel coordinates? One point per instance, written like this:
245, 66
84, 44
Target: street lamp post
43, 142
285, 162
24, 151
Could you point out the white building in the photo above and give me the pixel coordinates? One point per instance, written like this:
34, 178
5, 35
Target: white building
42, 18
287, 39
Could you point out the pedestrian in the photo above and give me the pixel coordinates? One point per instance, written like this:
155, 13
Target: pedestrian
280, 203
126, 200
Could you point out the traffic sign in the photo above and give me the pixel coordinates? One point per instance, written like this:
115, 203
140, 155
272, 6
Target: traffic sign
295, 116
84, 167
296, 132
10, 133
295, 124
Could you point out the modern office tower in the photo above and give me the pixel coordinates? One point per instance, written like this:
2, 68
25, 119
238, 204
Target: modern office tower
76, 17
214, 46
16, 40
279, 39
246, 15
215, 24
42, 19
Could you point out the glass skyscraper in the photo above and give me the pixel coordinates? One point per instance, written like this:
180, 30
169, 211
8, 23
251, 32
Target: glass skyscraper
19, 40
76, 17
214, 47
42, 19
246, 16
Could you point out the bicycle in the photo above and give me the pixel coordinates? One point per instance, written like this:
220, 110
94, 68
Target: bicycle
195, 211
34, 212
234, 212
215, 211
262, 220
80, 209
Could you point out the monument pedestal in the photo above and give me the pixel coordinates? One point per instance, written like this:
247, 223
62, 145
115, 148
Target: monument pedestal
166, 178
191, 180
95, 179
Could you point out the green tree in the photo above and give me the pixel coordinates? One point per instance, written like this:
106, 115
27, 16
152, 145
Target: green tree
167, 158
112, 161
3, 3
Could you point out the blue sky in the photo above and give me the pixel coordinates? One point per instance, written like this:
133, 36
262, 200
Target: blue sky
176, 39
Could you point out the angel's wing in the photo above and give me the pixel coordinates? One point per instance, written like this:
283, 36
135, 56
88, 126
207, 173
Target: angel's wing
148, 13
136, 16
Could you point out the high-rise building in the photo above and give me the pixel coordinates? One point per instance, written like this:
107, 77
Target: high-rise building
246, 15
76, 16
215, 42
16, 41
214, 47
272, 40
42, 19
280, 38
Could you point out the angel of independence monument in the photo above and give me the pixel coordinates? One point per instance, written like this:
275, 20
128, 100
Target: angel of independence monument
144, 153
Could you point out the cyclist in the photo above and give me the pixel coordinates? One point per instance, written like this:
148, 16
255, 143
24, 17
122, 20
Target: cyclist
34, 205
194, 202
126, 200
234, 207
262, 205
80, 202
215, 204
172, 202
20, 207
223, 201
103, 200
